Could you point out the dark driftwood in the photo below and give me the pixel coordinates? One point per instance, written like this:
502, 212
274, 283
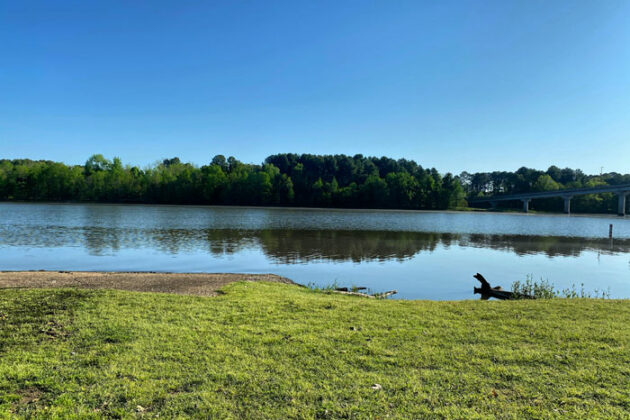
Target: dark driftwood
486, 291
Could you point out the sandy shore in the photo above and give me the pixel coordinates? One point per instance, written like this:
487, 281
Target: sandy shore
180, 283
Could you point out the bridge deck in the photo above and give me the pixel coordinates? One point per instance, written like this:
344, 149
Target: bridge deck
568, 193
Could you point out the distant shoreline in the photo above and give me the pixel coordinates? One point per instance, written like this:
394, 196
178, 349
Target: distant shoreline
199, 284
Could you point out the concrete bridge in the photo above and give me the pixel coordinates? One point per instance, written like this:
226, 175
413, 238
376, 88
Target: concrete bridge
622, 191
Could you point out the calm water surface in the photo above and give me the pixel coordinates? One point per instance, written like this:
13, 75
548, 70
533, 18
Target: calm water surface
424, 255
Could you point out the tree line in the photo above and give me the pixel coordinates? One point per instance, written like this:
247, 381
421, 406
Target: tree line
289, 179
281, 180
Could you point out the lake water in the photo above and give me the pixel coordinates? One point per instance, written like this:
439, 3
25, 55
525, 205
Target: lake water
424, 255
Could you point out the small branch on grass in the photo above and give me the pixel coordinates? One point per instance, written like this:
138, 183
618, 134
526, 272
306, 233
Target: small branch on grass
374, 296
352, 289
385, 294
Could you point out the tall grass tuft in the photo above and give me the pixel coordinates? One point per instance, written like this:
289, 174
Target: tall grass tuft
545, 290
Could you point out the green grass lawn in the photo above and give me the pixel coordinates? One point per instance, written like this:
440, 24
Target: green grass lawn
266, 350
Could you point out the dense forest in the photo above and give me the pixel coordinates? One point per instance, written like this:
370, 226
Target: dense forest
288, 180
282, 180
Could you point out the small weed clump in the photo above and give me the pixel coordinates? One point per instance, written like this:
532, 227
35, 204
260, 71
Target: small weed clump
537, 290
545, 290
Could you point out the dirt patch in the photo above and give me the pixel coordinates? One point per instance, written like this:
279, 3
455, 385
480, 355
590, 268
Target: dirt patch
30, 395
181, 283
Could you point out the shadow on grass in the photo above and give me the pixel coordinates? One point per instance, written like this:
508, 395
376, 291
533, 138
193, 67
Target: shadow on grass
29, 318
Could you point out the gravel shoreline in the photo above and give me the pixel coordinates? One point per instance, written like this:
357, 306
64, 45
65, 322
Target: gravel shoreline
199, 284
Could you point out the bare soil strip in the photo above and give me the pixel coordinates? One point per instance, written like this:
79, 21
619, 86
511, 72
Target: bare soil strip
200, 284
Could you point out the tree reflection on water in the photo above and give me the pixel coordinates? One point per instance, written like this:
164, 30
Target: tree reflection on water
296, 246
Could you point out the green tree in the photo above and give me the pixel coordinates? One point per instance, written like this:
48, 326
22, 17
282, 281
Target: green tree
374, 192
403, 189
221, 162
96, 163
545, 183
214, 184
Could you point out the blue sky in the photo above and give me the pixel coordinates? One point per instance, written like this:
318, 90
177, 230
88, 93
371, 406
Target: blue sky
456, 85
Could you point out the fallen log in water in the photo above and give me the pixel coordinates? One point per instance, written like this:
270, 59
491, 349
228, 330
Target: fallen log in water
486, 291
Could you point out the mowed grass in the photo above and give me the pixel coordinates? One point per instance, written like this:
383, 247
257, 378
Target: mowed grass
265, 350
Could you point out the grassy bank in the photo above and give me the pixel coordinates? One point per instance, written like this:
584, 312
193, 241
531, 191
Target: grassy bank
278, 351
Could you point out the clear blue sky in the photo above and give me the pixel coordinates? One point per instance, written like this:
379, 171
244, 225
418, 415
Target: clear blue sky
458, 85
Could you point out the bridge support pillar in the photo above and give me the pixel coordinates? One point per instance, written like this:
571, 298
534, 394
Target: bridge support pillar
621, 209
567, 204
526, 204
